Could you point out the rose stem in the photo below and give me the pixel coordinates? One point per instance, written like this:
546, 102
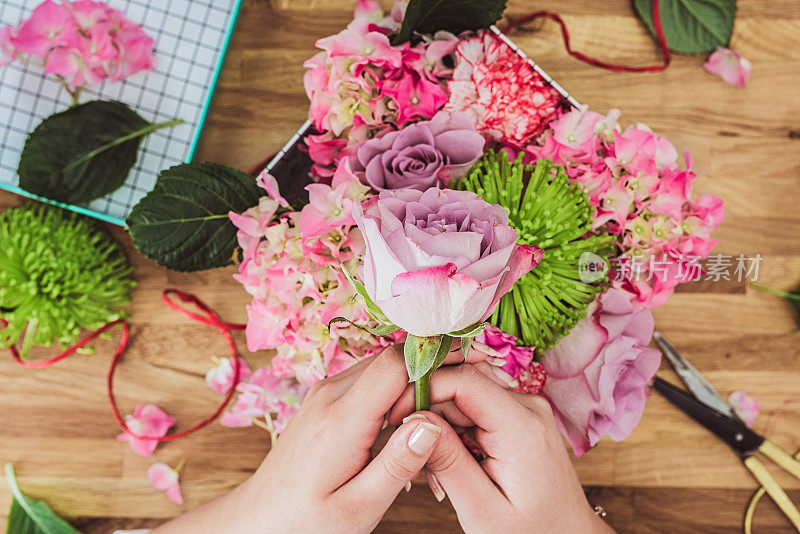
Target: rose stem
422, 392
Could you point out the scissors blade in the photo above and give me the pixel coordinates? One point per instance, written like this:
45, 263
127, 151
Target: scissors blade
691, 377
728, 429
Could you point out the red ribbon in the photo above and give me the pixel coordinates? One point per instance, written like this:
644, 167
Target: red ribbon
208, 316
662, 42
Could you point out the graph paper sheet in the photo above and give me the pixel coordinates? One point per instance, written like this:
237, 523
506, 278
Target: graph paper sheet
190, 41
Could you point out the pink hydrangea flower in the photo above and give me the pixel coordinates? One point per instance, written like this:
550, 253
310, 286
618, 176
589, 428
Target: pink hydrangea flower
220, 377
150, 421
729, 65
641, 195
50, 25
505, 96
266, 400
164, 478
82, 42
744, 407
7, 51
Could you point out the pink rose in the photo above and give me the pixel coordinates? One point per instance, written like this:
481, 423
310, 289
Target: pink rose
438, 262
420, 156
597, 376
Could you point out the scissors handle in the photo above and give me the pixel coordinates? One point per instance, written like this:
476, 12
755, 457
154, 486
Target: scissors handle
780, 457
774, 490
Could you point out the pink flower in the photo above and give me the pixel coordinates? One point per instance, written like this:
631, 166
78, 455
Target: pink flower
164, 478
414, 96
419, 156
220, 377
598, 375
503, 94
729, 65
149, 421
744, 407
498, 344
438, 261
49, 25
531, 379
7, 51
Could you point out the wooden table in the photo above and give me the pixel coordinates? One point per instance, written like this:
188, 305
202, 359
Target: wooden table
669, 476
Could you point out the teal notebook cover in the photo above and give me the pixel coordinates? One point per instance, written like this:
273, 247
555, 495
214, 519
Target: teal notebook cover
191, 38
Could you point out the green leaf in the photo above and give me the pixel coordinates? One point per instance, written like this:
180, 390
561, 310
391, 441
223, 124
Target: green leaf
791, 297
381, 330
420, 354
455, 16
28, 516
183, 222
691, 26
83, 153
370, 306
442, 352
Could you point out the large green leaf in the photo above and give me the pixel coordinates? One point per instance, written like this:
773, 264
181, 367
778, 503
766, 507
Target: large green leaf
83, 153
691, 26
183, 222
456, 16
28, 516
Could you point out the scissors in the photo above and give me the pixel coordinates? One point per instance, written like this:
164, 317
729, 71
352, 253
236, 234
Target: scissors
703, 404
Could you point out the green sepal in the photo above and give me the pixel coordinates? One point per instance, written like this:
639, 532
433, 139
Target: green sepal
466, 342
424, 354
470, 331
381, 330
370, 306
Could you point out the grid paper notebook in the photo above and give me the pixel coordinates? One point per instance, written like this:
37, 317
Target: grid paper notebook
191, 37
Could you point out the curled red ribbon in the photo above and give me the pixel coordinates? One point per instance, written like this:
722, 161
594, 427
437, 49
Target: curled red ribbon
662, 41
207, 316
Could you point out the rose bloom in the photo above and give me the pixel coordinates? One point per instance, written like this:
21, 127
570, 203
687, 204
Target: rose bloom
420, 156
598, 375
439, 261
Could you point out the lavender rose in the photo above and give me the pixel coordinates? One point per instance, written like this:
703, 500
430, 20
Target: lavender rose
420, 156
597, 376
438, 261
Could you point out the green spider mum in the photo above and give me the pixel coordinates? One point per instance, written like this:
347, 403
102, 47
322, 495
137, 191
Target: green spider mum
550, 212
59, 272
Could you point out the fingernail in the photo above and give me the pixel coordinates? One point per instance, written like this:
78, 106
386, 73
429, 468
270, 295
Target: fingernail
436, 488
408, 486
414, 416
486, 349
497, 362
424, 437
505, 377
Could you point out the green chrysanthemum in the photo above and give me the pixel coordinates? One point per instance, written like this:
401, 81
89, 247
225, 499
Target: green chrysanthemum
550, 212
59, 272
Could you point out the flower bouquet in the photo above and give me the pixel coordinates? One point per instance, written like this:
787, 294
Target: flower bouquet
449, 190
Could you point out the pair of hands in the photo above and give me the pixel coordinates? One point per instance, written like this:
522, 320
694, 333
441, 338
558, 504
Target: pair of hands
320, 475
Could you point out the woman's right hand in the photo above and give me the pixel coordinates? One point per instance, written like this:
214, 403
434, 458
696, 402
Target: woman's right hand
526, 483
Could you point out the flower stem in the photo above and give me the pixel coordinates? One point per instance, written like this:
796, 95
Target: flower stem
422, 392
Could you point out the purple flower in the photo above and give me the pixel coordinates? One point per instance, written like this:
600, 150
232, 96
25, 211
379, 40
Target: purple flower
421, 155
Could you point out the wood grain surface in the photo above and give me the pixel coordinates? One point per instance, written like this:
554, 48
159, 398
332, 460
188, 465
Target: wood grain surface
669, 476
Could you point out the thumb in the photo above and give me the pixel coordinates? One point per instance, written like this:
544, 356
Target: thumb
399, 462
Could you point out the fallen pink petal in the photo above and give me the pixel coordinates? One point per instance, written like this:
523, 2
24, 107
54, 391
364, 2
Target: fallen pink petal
729, 65
164, 478
744, 407
150, 421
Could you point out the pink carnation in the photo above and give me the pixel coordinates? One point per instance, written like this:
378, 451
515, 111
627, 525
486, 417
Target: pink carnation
498, 344
504, 95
